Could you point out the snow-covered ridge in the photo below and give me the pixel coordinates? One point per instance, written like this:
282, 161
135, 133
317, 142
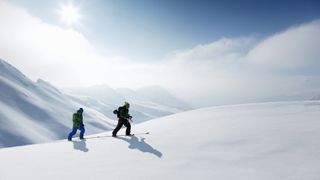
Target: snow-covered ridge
13, 74
278, 141
34, 112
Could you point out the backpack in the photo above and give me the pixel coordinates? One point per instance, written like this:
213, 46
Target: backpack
117, 112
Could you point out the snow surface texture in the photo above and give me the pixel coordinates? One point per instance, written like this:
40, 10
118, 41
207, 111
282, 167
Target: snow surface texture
34, 112
278, 141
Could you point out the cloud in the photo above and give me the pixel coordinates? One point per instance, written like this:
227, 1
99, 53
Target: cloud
294, 49
225, 49
239, 70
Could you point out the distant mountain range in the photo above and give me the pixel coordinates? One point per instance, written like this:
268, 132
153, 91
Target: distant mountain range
146, 103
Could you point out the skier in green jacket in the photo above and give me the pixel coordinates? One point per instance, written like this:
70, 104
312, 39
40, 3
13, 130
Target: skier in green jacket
124, 117
77, 124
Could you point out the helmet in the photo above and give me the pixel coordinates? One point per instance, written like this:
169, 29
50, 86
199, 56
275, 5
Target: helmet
126, 104
80, 110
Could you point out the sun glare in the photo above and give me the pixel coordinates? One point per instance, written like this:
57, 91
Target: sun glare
69, 14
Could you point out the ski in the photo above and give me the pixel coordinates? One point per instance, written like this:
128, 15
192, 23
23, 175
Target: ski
105, 136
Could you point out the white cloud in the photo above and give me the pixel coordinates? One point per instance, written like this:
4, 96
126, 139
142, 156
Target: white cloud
295, 48
250, 70
222, 51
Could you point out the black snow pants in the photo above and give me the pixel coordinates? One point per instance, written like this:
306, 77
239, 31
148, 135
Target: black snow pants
121, 122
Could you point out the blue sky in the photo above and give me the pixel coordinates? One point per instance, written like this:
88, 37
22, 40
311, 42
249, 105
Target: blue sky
148, 30
206, 52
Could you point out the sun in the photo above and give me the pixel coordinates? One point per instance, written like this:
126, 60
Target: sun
69, 14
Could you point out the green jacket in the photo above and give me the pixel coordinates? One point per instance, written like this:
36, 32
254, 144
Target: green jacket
124, 113
77, 120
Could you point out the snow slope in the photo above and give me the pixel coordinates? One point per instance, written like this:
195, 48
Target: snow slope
278, 141
34, 112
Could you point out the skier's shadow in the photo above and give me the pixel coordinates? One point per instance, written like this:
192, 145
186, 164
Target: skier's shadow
141, 145
80, 145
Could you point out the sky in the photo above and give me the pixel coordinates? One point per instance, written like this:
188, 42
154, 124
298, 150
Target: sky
206, 52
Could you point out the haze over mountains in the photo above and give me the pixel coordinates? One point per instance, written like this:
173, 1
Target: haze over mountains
146, 103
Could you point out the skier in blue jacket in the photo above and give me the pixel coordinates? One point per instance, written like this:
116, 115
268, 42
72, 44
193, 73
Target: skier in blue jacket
77, 124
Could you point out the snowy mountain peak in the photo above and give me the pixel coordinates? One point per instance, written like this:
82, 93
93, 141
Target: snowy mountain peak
8, 68
161, 95
11, 73
46, 85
